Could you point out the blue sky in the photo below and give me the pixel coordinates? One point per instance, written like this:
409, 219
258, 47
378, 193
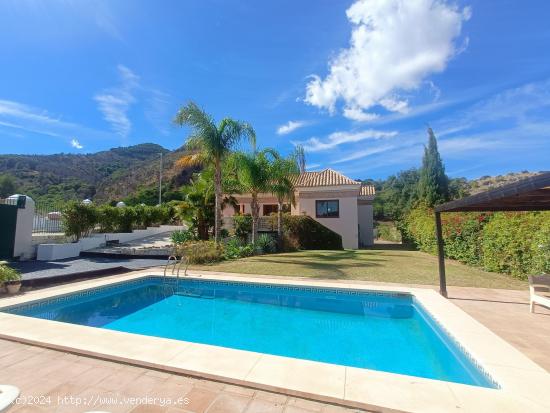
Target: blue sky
355, 82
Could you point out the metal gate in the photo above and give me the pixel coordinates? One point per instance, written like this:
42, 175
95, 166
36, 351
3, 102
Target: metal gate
8, 223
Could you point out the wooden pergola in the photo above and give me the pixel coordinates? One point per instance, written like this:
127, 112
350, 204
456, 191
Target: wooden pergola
530, 194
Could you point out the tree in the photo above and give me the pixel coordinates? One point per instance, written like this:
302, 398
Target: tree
433, 187
300, 158
7, 186
397, 195
200, 203
253, 171
283, 170
210, 144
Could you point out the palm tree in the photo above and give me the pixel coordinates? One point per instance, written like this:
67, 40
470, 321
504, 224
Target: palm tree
210, 144
200, 203
283, 172
253, 171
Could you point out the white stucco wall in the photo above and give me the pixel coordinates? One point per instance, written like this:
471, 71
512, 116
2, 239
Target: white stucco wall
23, 248
345, 225
366, 224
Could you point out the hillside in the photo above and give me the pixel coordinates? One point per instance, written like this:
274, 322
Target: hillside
486, 182
102, 176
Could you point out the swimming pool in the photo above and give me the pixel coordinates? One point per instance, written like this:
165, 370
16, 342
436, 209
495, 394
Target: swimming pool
383, 331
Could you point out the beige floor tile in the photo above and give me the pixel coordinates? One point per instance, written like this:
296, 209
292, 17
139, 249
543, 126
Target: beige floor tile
272, 397
242, 391
217, 361
306, 404
200, 400
294, 409
264, 406
229, 403
299, 375
398, 392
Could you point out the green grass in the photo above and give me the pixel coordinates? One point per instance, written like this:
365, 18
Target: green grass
385, 263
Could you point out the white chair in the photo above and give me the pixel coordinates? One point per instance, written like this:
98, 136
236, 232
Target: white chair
8, 394
539, 290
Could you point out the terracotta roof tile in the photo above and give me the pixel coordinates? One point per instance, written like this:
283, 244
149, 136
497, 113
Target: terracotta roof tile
327, 177
367, 190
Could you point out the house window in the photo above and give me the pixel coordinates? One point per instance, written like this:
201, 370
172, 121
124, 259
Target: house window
269, 209
327, 209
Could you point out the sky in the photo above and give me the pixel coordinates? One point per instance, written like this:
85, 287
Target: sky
356, 83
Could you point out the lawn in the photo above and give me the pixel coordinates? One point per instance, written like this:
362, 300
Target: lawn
390, 264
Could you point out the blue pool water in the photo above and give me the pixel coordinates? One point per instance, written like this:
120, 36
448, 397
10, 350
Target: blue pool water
381, 331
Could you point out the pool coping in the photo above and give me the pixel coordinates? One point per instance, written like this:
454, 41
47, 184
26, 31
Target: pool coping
524, 384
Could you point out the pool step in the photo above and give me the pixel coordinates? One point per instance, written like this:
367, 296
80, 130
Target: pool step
193, 295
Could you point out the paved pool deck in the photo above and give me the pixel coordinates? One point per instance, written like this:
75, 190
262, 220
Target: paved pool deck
42, 271
504, 312
48, 379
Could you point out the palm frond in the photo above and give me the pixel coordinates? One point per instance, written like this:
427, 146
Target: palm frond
189, 160
232, 131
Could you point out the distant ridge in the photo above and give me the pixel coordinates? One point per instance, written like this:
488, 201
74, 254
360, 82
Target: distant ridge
102, 176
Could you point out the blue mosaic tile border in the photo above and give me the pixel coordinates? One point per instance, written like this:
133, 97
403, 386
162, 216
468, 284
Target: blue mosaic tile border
457, 343
159, 279
76, 294
251, 285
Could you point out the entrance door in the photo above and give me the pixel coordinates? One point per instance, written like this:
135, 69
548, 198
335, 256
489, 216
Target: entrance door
8, 223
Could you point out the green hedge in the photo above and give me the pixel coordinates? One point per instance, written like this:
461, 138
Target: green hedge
79, 219
512, 243
517, 244
303, 232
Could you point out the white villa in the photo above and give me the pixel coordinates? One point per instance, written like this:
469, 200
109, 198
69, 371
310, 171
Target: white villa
332, 199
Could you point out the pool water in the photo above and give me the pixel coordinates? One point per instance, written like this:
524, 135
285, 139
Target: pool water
381, 331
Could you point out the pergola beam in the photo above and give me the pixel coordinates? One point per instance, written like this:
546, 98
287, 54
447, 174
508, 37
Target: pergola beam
530, 194
440, 255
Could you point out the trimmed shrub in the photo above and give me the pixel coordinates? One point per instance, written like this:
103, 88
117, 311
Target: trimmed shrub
235, 248
108, 217
517, 243
243, 226
541, 244
305, 233
78, 219
513, 243
200, 252
179, 237
419, 227
127, 219
463, 235
386, 230
265, 244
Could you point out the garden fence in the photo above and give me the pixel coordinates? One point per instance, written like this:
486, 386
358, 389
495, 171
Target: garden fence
47, 218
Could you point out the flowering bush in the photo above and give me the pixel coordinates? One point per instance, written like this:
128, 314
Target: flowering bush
513, 243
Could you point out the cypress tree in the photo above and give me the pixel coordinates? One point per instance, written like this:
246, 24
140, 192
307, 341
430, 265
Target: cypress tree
433, 186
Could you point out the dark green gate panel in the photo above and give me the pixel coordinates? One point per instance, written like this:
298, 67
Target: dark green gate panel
8, 223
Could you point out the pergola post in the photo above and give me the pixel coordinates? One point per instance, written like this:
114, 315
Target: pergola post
440, 255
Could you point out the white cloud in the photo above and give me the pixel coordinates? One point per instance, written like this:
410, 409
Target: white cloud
394, 46
358, 115
114, 103
339, 138
313, 166
76, 144
290, 126
13, 109
20, 116
364, 153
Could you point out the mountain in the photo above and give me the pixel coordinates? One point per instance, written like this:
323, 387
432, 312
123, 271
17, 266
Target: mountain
487, 182
102, 176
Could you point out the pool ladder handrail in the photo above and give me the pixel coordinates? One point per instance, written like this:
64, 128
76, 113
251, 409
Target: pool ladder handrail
176, 267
